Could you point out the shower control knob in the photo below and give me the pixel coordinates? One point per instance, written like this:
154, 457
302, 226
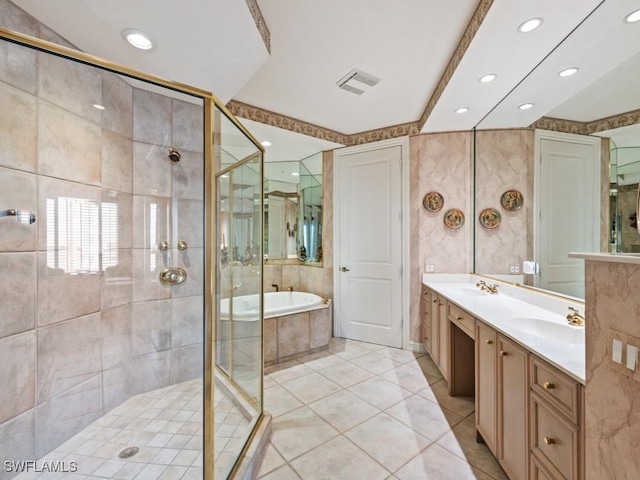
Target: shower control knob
163, 246
182, 245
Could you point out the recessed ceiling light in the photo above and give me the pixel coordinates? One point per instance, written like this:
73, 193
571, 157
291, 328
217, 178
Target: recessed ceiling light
462, 110
568, 72
98, 106
526, 106
632, 17
295, 174
137, 38
530, 25
490, 77
266, 143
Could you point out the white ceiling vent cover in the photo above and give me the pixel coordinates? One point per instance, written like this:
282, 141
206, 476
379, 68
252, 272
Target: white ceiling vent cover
357, 81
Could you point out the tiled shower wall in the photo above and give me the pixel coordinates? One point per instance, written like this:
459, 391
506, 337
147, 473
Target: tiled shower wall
84, 321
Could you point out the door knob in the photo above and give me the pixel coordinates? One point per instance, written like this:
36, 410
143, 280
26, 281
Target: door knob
344, 269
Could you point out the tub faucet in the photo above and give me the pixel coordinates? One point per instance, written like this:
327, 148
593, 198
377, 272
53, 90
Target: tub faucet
275, 285
290, 289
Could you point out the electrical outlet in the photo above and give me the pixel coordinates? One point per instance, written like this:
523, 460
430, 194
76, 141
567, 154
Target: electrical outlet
430, 268
514, 269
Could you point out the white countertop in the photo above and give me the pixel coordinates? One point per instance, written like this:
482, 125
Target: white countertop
502, 312
608, 257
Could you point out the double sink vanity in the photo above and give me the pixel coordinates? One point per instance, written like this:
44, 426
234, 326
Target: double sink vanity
521, 353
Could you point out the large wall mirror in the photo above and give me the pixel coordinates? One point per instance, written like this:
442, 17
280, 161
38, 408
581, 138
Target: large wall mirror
566, 145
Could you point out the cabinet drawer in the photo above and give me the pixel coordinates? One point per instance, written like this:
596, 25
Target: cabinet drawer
538, 470
554, 440
462, 319
562, 391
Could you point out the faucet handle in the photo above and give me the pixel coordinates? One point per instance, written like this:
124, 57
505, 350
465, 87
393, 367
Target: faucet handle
574, 310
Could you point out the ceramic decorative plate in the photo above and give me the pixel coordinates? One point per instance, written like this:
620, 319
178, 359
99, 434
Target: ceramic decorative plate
490, 218
454, 218
512, 200
433, 202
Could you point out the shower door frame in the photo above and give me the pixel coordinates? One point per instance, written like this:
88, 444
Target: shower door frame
210, 103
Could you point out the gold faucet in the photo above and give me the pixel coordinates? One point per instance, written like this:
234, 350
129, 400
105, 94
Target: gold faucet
492, 289
290, 289
574, 318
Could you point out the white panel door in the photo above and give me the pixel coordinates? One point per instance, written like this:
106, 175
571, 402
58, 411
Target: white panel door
569, 213
370, 246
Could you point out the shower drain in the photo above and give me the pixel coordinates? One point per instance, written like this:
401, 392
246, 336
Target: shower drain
128, 452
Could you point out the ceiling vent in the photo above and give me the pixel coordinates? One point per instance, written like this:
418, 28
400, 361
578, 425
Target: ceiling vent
357, 81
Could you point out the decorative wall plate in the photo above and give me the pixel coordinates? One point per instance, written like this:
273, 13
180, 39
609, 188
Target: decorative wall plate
512, 200
454, 218
490, 218
433, 202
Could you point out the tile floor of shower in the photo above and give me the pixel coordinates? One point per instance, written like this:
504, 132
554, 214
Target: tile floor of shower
166, 425
365, 412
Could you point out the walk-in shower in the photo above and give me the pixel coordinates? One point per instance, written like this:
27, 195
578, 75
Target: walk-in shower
108, 311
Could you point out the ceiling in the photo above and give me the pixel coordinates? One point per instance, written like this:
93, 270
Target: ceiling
215, 45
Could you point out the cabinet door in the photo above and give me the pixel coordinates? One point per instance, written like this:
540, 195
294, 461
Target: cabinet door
435, 327
513, 445
486, 384
425, 306
444, 341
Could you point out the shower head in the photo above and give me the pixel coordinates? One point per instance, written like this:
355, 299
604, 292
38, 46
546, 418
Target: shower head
174, 155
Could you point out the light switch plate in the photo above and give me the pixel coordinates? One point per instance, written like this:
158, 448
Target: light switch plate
625, 341
616, 350
632, 357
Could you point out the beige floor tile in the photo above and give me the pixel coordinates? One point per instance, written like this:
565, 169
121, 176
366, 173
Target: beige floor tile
424, 416
278, 401
388, 441
400, 355
348, 350
461, 441
343, 410
375, 363
271, 461
427, 365
288, 371
369, 346
268, 382
436, 463
283, 473
311, 387
299, 431
379, 392
439, 392
338, 459
409, 378
321, 360
346, 374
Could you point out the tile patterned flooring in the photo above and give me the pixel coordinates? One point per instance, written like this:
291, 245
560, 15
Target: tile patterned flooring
365, 412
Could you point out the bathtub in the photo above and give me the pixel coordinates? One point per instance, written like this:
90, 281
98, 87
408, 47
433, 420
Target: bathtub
245, 308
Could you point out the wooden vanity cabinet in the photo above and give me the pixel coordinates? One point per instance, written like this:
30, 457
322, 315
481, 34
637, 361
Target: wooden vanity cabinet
425, 314
435, 329
513, 399
487, 385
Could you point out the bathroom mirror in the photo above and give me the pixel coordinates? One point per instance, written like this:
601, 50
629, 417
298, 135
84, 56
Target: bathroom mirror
311, 210
509, 144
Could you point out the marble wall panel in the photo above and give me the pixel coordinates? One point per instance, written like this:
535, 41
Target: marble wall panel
117, 168
504, 161
190, 222
311, 279
188, 176
187, 321
117, 280
117, 99
270, 339
17, 191
18, 127
18, 440
293, 334
188, 126
68, 355
18, 375
147, 265
151, 118
69, 147
320, 327
290, 277
72, 86
612, 415
18, 305
186, 363
18, 65
151, 327
151, 170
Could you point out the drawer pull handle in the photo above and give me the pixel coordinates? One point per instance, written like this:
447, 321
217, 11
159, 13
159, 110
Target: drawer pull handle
503, 353
549, 441
459, 318
548, 386
489, 342
434, 301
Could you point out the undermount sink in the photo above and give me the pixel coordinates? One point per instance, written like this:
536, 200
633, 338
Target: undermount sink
549, 330
469, 290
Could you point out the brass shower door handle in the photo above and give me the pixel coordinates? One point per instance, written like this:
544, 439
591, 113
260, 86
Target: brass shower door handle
344, 269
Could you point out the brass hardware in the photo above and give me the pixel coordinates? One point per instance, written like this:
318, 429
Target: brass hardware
574, 318
489, 342
163, 246
548, 386
26, 218
492, 289
174, 155
173, 276
434, 301
549, 440
503, 353
290, 289
325, 300
344, 269
275, 285
265, 259
458, 318
182, 245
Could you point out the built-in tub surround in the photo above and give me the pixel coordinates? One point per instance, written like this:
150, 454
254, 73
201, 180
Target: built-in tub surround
612, 391
85, 321
535, 320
